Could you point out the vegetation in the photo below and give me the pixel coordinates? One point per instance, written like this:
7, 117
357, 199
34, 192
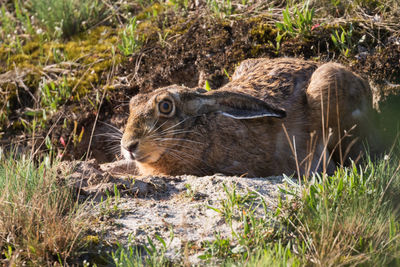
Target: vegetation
130, 41
343, 40
298, 23
350, 218
151, 255
64, 64
221, 8
66, 18
40, 221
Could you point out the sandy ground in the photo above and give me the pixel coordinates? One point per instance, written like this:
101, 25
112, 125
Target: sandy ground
178, 209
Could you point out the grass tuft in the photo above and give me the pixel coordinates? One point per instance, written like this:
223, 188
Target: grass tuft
151, 254
351, 218
299, 23
39, 219
68, 17
130, 42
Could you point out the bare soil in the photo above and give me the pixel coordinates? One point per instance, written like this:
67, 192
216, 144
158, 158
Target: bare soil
175, 208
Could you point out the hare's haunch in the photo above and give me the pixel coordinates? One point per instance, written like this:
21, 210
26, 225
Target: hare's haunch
275, 116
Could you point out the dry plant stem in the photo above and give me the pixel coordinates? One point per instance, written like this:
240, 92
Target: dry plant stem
73, 242
84, 74
137, 66
390, 181
33, 141
325, 126
293, 148
347, 151
322, 156
47, 135
114, 13
22, 84
95, 122
90, 140
306, 240
100, 104
346, 134
311, 146
338, 234
338, 123
274, 205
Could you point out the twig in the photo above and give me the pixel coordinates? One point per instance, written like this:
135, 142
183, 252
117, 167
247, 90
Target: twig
293, 148
47, 135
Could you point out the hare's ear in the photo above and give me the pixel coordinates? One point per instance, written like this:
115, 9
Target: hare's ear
244, 107
234, 105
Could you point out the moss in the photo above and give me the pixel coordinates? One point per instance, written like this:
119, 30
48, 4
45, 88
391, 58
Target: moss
32, 79
84, 83
94, 35
180, 27
30, 47
109, 87
4, 53
53, 45
263, 32
92, 51
103, 65
19, 59
92, 239
147, 29
255, 50
151, 11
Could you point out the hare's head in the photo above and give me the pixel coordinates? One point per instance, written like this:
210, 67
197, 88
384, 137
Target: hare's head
175, 130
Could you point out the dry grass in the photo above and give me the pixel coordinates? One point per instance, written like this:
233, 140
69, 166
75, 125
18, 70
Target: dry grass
40, 222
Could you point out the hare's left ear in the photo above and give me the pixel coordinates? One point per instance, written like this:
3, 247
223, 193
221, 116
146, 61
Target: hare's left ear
244, 107
235, 105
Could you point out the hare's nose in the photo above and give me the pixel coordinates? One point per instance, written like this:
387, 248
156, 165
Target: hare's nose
132, 146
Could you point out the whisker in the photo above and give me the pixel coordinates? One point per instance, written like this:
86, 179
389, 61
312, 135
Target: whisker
112, 144
175, 132
173, 126
110, 136
117, 153
111, 126
188, 162
152, 132
177, 139
164, 141
163, 144
149, 131
112, 147
187, 155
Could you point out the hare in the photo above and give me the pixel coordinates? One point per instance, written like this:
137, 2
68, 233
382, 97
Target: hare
275, 116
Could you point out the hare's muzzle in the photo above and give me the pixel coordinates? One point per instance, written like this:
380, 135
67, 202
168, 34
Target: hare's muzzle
130, 149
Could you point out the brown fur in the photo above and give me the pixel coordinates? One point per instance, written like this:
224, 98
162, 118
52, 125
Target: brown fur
212, 132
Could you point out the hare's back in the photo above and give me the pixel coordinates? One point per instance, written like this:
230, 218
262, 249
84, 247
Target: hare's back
276, 81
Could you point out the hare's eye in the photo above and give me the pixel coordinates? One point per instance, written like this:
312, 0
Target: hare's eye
165, 107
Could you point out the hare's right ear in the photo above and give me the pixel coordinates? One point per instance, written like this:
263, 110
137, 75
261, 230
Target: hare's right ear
233, 105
